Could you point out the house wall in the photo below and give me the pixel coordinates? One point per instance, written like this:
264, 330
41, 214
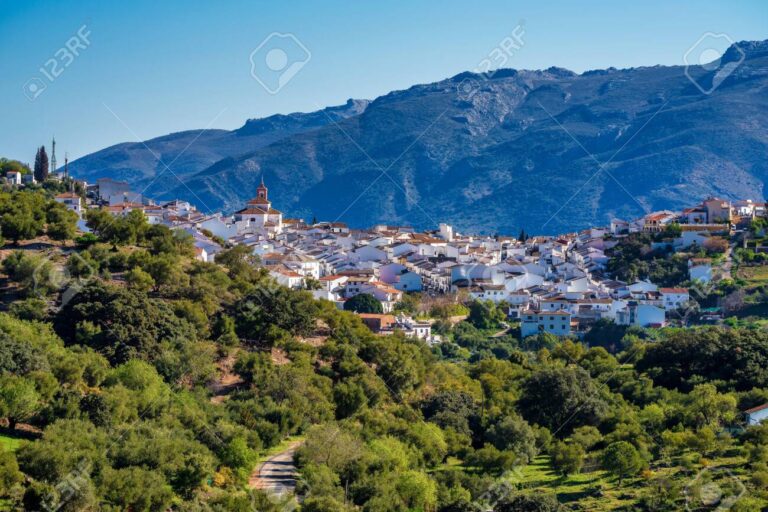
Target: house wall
757, 417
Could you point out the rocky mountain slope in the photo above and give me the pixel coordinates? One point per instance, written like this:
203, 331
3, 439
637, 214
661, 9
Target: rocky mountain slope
547, 151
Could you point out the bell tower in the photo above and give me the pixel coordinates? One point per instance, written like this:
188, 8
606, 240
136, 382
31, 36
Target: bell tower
261, 190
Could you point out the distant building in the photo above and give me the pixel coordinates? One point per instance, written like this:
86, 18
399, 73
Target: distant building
552, 322
674, 298
107, 187
641, 315
700, 269
259, 216
718, 210
71, 201
13, 177
756, 415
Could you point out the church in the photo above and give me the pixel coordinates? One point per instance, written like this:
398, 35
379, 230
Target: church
258, 216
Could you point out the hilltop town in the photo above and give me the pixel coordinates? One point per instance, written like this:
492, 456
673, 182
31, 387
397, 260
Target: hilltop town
613, 360
560, 285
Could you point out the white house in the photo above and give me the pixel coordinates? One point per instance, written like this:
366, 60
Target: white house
700, 269
108, 187
258, 214
408, 282
219, 226
286, 277
674, 298
369, 253
756, 415
641, 315
71, 201
14, 177
553, 322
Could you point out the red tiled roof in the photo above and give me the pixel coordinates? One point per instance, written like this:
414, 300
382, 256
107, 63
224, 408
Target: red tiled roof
757, 409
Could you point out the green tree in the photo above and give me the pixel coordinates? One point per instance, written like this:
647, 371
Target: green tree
10, 476
7, 165
514, 434
529, 503
138, 279
561, 399
19, 400
485, 315
622, 459
363, 303
61, 222
41, 165
136, 489
567, 458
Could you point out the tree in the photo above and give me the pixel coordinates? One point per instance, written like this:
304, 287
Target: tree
416, 490
514, 434
62, 222
122, 323
271, 311
10, 476
561, 399
492, 460
707, 407
622, 459
19, 225
485, 314
331, 446
140, 280
363, 303
19, 399
41, 165
7, 165
33, 273
349, 398
567, 458
138, 489
529, 503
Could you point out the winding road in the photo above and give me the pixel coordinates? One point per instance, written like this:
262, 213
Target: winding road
276, 475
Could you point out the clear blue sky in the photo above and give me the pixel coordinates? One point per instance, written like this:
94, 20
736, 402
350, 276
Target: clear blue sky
165, 66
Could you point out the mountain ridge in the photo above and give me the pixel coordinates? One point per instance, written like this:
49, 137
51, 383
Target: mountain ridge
522, 146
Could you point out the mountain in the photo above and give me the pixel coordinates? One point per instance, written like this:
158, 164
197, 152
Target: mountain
548, 151
189, 152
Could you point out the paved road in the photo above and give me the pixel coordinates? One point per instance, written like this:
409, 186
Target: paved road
277, 475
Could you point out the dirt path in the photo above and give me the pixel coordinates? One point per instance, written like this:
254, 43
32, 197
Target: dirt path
277, 475
227, 382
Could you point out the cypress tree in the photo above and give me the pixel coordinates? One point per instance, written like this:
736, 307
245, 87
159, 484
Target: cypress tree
41, 164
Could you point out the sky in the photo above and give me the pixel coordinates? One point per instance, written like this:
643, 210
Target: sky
96, 73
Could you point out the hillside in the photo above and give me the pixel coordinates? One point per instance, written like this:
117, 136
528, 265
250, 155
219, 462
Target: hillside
508, 156
190, 151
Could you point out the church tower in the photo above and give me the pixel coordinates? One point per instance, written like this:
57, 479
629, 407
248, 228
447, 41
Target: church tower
261, 190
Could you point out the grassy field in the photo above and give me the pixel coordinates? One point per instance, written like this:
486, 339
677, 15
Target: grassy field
755, 307
596, 490
8, 443
753, 276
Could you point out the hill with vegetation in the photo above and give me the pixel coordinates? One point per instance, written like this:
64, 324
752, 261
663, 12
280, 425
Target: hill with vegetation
135, 377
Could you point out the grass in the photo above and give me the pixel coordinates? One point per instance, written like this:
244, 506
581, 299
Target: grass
8, 443
280, 447
753, 276
597, 490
